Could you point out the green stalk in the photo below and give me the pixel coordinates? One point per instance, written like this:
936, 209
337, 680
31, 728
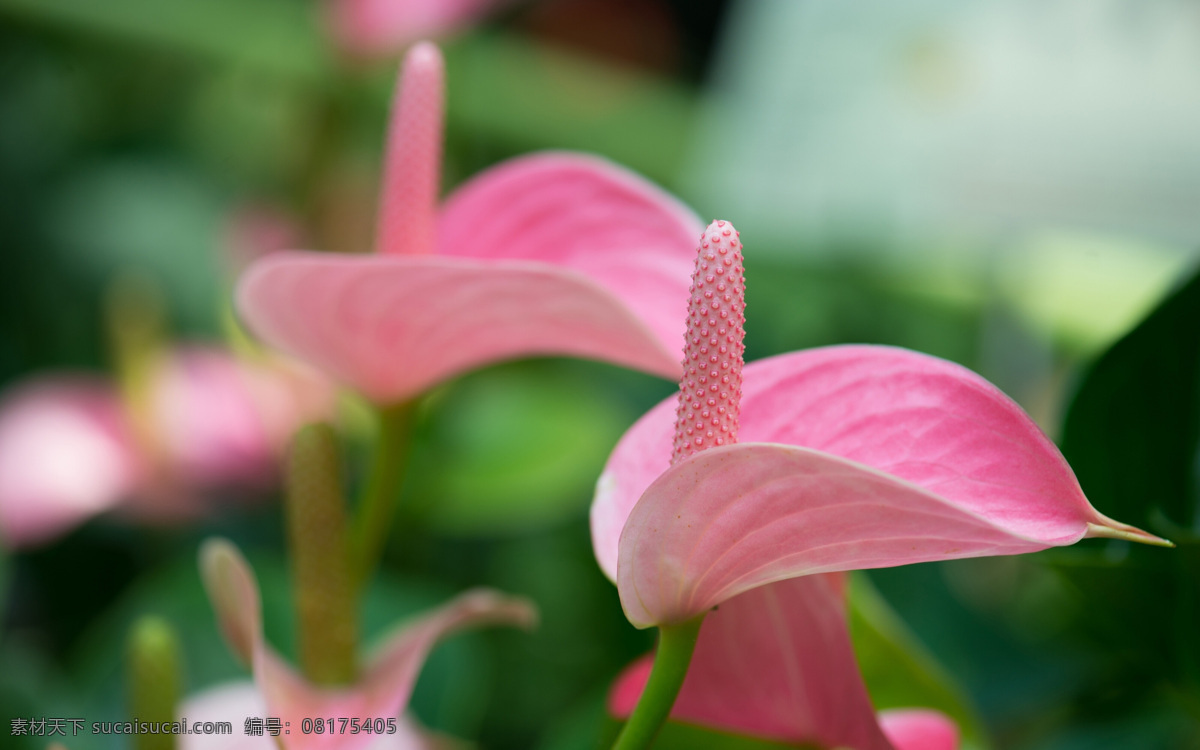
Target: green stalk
377, 503
675, 646
325, 598
153, 669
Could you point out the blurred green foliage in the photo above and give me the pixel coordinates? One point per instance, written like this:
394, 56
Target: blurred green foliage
1132, 434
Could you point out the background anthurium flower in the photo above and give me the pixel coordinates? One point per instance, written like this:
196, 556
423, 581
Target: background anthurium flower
849, 457
555, 253
371, 28
385, 682
776, 663
71, 447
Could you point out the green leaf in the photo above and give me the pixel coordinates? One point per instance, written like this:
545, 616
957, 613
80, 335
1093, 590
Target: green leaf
1132, 435
273, 35
898, 670
1133, 428
514, 448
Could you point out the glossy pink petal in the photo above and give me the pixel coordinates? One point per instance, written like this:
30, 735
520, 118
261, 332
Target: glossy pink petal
389, 675
66, 453
585, 214
774, 663
370, 28
919, 729
905, 458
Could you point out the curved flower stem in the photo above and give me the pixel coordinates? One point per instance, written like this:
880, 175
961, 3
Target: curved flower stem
377, 502
675, 646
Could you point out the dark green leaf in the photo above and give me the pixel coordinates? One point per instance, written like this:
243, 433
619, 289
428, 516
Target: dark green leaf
1131, 435
1132, 431
899, 672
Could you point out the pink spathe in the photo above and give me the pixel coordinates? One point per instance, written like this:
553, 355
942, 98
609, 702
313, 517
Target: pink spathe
777, 663
65, 455
387, 678
550, 254
847, 457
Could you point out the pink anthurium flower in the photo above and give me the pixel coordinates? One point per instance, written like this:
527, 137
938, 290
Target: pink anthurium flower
71, 447
824, 460
776, 663
819, 461
385, 683
373, 28
554, 253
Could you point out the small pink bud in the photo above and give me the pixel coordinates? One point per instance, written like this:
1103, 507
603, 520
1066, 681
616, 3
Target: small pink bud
723, 365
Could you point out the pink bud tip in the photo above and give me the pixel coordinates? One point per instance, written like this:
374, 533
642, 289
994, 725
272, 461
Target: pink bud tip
711, 388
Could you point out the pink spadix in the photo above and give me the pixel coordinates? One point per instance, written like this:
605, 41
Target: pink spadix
711, 388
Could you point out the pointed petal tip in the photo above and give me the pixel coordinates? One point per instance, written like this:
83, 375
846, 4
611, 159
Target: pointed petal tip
215, 553
233, 593
1111, 529
489, 604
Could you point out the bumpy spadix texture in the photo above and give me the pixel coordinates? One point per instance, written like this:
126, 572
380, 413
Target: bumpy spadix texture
554, 253
711, 388
849, 457
386, 680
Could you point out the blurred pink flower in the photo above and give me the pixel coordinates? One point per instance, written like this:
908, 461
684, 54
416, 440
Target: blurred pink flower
841, 458
71, 447
376, 28
555, 253
776, 663
382, 691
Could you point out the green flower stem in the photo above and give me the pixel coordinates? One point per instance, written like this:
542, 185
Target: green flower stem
675, 646
325, 598
378, 501
153, 674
